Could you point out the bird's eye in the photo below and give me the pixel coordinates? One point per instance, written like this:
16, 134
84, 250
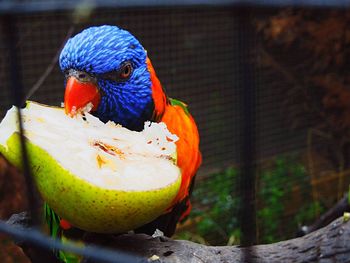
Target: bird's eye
122, 74
125, 71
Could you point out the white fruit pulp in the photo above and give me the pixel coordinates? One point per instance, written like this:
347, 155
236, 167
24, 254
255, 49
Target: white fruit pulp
106, 155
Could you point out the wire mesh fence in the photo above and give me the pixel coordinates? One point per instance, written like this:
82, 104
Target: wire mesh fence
226, 65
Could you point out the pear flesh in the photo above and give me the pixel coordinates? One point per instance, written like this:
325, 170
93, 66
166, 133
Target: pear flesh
100, 177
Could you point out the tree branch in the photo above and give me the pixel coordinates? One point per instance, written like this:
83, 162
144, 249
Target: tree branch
329, 244
334, 212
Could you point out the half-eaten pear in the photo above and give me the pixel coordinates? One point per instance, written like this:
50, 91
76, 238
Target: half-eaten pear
100, 177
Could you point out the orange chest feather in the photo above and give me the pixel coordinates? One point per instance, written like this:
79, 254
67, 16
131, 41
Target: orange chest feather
188, 154
182, 124
158, 95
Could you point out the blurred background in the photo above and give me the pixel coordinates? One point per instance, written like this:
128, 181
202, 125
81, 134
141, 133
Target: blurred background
298, 61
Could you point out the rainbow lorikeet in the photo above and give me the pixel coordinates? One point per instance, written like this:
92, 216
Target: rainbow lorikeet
108, 68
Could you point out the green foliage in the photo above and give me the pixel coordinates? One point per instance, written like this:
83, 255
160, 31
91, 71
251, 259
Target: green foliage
308, 212
216, 204
217, 207
275, 185
275, 191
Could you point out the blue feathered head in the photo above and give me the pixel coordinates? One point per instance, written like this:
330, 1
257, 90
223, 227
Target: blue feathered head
106, 66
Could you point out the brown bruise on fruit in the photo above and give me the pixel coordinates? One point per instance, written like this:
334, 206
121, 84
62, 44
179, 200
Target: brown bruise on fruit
110, 149
169, 139
103, 160
100, 161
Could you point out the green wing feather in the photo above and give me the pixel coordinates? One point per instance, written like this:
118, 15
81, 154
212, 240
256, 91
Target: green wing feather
175, 102
53, 223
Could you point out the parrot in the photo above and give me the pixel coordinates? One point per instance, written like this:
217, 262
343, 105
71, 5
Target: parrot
108, 70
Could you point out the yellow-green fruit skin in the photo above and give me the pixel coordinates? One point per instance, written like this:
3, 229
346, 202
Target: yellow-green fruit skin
85, 205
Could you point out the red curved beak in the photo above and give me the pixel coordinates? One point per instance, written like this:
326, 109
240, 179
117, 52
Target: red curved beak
79, 94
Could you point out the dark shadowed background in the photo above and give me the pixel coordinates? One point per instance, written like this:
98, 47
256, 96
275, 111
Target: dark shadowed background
298, 62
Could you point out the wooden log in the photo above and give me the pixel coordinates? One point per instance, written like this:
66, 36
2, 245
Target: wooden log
328, 244
334, 212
